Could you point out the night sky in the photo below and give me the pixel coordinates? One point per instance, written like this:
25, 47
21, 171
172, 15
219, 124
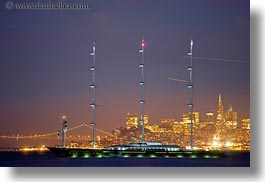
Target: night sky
45, 60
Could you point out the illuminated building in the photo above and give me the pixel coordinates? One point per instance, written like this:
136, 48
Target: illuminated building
186, 124
209, 118
186, 118
131, 121
245, 123
209, 131
231, 118
203, 124
220, 113
153, 128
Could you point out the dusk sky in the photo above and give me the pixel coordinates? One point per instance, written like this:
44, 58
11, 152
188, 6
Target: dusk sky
45, 60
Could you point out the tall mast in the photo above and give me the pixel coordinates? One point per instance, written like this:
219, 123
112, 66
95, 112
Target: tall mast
141, 83
190, 87
93, 87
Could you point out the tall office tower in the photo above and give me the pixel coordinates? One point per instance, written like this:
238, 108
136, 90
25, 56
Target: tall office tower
245, 123
186, 120
220, 115
231, 118
209, 118
209, 130
195, 117
220, 109
131, 121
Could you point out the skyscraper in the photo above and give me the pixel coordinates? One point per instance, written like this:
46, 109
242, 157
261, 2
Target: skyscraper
220, 109
220, 115
209, 131
131, 121
231, 118
209, 118
186, 121
245, 123
186, 118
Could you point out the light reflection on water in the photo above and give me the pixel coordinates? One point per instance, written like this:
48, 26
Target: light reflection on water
48, 159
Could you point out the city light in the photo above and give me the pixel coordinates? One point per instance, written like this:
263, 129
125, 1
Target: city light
213, 133
34, 149
228, 144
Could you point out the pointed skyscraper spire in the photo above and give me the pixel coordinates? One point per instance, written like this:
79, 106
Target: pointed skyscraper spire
220, 113
220, 100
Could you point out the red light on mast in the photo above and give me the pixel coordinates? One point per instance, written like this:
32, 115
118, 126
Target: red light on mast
143, 43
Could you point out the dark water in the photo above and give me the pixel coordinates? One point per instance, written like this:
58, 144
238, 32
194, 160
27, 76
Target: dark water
48, 159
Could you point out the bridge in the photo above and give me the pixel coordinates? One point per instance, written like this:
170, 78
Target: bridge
49, 135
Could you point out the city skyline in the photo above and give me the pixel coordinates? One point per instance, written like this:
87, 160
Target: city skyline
226, 113
45, 66
133, 120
